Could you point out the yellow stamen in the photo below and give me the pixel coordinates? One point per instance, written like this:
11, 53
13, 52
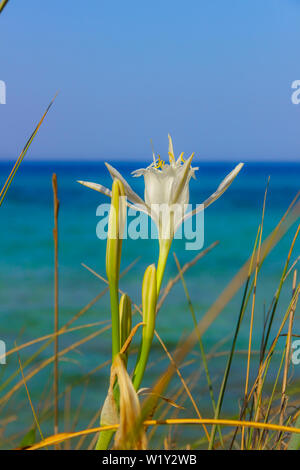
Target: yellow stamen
181, 157
160, 163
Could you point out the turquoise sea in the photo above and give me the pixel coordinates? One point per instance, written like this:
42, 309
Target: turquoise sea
26, 279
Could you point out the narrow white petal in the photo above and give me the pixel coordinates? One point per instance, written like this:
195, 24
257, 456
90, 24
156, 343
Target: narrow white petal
132, 196
103, 190
180, 184
224, 185
171, 149
96, 187
221, 189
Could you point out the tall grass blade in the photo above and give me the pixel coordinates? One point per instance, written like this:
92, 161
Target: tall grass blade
51, 440
237, 329
55, 238
22, 155
3, 5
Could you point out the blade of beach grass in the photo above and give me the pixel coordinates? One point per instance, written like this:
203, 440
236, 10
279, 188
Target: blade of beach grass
67, 415
253, 306
51, 440
3, 5
184, 384
22, 155
233, 346
201, 346
292, 267
265, 364
29, 399
287, 356
268, 411
277, 295
44, 397
55, 239
48, 361
51, 335
274, 303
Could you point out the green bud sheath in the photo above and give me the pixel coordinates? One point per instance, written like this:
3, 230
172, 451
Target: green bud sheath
149, 300
125, 321
116, 225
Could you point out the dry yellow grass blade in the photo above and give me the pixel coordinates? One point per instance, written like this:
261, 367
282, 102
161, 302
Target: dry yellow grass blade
184, 384
3, 4
23, 153
130, 338
253, 307
56, 310
292, 307
29, 399
154, 422
48, 361
51, 335
130, 410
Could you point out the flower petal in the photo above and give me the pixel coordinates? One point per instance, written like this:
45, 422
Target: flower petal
223, 186
221, 189
103, 190
132, 196
96, 187
184, 178
171, 150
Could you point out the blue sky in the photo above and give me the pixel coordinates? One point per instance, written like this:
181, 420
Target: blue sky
216, 74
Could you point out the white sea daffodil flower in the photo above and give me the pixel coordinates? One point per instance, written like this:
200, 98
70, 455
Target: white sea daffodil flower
166, 191
166, 197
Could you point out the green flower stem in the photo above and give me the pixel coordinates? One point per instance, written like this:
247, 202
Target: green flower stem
115, 327
164, 248
125, 314
149, 301
104, 440
116, 223
117, 217
149, 292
